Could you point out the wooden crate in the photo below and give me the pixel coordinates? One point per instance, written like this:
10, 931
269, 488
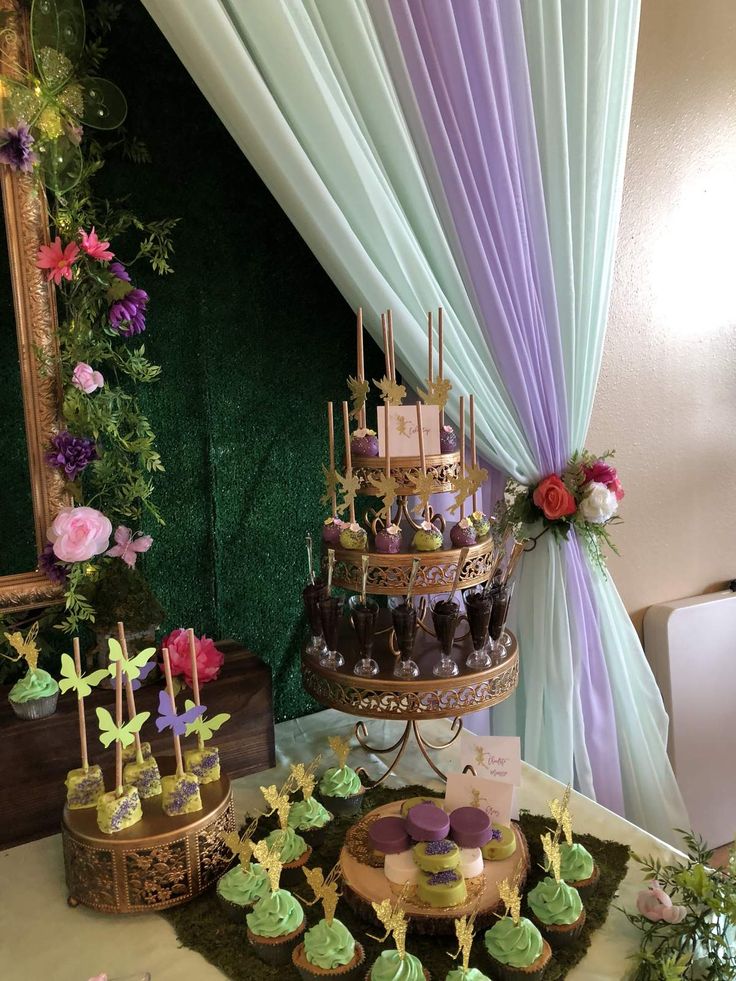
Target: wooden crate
36, 755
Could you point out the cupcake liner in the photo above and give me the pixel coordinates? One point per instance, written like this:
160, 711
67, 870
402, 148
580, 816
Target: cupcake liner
343, 805
235, 912
276, 951
587, 887
314, 836
505, 972
560, 934
291, 874
35, 708
308, 972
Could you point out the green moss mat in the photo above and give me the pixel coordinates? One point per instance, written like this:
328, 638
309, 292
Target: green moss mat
200, 924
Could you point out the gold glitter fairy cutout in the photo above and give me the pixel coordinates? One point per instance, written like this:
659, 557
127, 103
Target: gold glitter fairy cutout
330, 485
560, 810
387, 486
476, 477
511, 898
394, 921
270, 859
358, 394
325, 890
242, 846
465, 931
437, 393
349, 487
475, 797
26, 647
341, 748
552, 853
423, 488
391, 391
463, 490
303, 778
279, 803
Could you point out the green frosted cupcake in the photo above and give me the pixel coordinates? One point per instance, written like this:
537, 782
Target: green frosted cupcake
341, 790
578, 869
293, 851
275, 927
472, 974
328, 950
35, 695
241, 888
390, 966
310, 819
517, 950
558, 911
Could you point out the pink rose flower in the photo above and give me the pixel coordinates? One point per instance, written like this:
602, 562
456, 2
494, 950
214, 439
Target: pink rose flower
78, 534
656, 905
86, 379
209, 659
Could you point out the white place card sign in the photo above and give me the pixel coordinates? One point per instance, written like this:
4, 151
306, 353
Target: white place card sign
492, 757
403, 435
492, 796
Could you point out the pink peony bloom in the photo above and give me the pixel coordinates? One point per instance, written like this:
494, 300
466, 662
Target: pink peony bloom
94, 248
78, 534
58, 260
127, 547
86, 379
209, 659
617, 487
656, 905
600, 472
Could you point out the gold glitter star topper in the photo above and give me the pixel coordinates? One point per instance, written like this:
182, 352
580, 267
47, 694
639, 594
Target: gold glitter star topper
511, 898
279, 803
349, 487
341, 748
242, 847
270, 859
394, 921
25, 647
437, 393
391, 391
325, 890
465, 931
303, 778
560, 810
551, 846
358, 394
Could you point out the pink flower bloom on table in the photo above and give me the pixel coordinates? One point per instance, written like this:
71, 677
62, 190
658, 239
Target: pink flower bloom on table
209, 659
601, 472
86, 379
57, 260
654, 904
95, 248
78, 534
127, 547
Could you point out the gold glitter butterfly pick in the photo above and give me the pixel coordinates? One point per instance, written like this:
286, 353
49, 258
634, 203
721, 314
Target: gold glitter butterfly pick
394, 921
465, 931
560, 810
358, 394
279, 803
511, 898
551, 846
391, 391
325, 890
341, 748
270, 859
25, 647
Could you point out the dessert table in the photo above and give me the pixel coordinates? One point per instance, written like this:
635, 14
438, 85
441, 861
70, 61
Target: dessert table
43, 938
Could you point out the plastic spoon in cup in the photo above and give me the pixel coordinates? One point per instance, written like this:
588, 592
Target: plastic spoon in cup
460, 563
330, 569
416, 562
310, 559
364, 579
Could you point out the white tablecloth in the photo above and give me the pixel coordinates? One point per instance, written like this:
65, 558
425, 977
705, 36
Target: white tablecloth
44, 940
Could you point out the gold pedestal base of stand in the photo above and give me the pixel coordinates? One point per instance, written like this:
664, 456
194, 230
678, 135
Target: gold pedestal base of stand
410, 729
159, 862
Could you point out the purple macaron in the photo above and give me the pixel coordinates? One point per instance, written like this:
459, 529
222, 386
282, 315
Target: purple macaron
427, 822
470, 827
389, 835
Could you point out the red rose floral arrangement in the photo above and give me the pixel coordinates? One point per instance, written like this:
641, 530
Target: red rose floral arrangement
584, 498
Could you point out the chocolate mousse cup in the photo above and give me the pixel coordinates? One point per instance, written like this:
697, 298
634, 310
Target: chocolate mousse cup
313, 594
478, 611
501, 596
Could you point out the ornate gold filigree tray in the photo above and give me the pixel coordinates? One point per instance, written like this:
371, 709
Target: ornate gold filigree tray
364, 884
444, 469
159, 862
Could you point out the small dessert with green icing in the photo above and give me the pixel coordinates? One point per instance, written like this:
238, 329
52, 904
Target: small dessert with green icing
35, 695
276, 922
465, 932
307, 816
436, 856
84, 787
294, 851
353, 537
481, 522
558, 911
502, 844
204, 763
516, 948
130, 753
180, 794
328, 949
442, 889
240, 889
472, 974
340, 788
117, 812
578, 869
389, 966
428, 538
144, 776
407, 805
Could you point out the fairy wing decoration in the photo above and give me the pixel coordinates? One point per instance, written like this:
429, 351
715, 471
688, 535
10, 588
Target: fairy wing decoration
54, 100
125, 734
168, 719
202, 726
80, 683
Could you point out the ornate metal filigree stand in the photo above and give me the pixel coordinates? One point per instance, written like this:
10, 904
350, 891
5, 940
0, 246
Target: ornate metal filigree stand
157, 863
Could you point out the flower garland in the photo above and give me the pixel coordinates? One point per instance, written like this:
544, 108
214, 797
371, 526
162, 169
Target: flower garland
105, 449
584, 498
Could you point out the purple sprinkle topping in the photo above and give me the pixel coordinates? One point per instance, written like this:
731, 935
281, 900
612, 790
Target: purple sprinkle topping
495, 835
185, 790
205, 765
443, 847
126, 807
446, 878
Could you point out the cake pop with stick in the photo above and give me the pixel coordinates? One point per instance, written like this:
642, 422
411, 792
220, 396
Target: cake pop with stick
329, 949
247, 882
85, 785
334, 524
352, 537
180, 790
397, 963
477, 476
428, 537
388, 538
465, 932
204, 761
119, 808
139, 769
462, 533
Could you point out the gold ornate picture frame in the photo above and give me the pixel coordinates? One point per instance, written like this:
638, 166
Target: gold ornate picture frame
27, 228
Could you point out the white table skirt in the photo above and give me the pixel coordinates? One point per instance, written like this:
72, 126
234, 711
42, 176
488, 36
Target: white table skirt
42, 938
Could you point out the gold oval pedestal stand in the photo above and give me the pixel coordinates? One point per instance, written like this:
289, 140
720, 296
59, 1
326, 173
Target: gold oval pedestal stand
426, 697
160, 862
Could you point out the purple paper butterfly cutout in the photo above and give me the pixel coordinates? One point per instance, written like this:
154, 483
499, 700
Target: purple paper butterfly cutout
144, 673
168, 719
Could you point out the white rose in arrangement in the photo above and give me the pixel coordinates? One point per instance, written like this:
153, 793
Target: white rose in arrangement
599, 504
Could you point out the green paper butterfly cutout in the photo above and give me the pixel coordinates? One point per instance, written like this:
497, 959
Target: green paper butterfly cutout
130, 668
110, 733
203, 727
80, 683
